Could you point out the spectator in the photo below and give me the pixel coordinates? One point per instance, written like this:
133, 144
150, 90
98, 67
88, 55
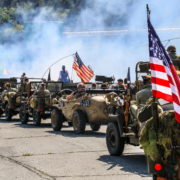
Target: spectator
63, 75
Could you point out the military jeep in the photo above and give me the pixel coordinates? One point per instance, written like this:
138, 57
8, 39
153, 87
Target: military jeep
95, 107
156, 130
39, 105
126, 129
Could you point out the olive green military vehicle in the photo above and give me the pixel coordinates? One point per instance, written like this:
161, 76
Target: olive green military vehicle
39, 104
155, 130
95, 107
126, 129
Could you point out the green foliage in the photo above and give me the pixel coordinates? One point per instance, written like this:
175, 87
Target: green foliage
9, 10
7, 15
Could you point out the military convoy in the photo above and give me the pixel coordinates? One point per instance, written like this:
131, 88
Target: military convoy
127, 122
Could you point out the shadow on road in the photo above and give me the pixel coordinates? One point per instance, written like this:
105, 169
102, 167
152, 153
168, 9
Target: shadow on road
12, 121
135, 164
45, 125
71, 133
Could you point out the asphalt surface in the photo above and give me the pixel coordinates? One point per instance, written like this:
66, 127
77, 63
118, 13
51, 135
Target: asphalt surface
28, 152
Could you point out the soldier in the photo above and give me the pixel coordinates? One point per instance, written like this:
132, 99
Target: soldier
78, 93
143, 95
8, 89
41, 96
120, 84
24, 87
172, 52
175, 59
42, 90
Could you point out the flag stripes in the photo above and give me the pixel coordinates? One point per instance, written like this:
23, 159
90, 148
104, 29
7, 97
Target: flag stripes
165, 81
82, 71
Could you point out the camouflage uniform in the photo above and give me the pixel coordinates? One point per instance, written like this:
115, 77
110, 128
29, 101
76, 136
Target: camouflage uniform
158, 139
158, 143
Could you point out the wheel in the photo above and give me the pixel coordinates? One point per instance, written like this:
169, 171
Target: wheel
114, 142
36, 118
79, 121
1, 112
9, 114
95, 126
56, 120
23, 115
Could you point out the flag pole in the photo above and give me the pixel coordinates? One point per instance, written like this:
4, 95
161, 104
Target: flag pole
55, 63
154, 102
148, 11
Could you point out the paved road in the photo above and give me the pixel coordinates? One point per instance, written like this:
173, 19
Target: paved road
28, 152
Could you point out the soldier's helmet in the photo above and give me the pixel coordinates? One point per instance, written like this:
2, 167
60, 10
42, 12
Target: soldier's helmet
171, 49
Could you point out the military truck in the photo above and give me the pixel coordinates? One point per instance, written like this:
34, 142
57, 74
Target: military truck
39, 105
95, 107
158, 136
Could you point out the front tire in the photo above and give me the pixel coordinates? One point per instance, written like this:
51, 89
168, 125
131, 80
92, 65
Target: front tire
9, 114
114, 142
36, 118
79, 121
1, 112
56, 120
24, 117
95, 126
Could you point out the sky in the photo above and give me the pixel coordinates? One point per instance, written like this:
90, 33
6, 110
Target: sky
110, 36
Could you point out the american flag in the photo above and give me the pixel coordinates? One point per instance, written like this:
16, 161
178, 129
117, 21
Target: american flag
84, 73
164, 78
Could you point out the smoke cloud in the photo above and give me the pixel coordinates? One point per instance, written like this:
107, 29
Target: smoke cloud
46, 39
